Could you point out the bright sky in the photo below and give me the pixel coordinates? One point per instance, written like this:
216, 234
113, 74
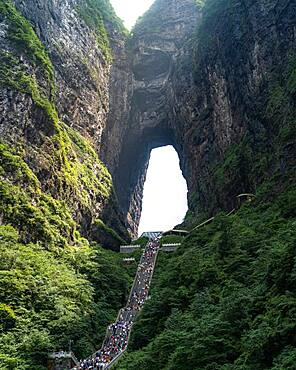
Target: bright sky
130, 10
165, 192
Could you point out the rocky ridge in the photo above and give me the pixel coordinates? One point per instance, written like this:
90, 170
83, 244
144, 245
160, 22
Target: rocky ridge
155, 50
55, 100
179, 80
211, 81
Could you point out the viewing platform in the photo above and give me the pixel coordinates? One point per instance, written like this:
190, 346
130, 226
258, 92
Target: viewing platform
129, 248
172, 247
151, 234
62, 361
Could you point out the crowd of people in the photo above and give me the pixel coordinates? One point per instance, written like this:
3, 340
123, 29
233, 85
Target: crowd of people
118, 333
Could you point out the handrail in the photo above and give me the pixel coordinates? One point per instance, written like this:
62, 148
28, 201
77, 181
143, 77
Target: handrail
116, 358
64, 354
131, 246
246, 195
231, 212
203, 223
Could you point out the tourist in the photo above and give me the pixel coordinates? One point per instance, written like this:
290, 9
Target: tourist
118, 333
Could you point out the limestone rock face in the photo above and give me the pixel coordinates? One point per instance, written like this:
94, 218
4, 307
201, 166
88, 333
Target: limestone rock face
203, 80
54, 101
216, 81
81, 70
233, 139
155, 50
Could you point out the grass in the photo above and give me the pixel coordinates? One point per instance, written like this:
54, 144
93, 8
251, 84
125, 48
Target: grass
97, 14
25, 40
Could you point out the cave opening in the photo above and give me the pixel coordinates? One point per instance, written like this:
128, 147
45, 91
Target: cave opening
165, 192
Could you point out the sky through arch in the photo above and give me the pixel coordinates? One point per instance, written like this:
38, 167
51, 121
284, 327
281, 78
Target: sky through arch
130, 10
165, 192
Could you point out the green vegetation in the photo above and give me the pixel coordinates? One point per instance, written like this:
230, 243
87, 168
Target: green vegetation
37, 215
132, 268
97, 14
281, 103
55, 286
80, 172
26, 66
248, 160
217, 15
149, 22
107, 13
226, 298
108, 234
23, 37
18, 77
169, 239
142, 241
11, 165
221, 44
46, 301
238, 167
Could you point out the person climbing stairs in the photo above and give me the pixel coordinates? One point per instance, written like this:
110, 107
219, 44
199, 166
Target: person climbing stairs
118, 333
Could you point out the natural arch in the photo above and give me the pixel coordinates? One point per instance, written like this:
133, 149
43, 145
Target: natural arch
131, 174
150, 116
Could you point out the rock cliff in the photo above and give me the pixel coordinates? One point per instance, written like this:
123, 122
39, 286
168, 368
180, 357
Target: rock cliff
155, 51
57, 200
54, 100
213, 81
217, 80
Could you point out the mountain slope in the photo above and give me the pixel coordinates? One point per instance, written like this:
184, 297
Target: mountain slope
57, 284
226, 299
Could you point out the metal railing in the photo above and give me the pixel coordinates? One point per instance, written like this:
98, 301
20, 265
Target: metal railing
119, 355
62, 354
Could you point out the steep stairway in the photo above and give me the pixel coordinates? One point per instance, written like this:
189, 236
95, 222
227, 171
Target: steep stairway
118, 333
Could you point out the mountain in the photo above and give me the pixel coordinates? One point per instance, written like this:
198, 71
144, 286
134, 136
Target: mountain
218, 83
82, 105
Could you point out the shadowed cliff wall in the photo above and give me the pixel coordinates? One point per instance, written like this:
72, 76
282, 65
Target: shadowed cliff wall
213, 81
54, 100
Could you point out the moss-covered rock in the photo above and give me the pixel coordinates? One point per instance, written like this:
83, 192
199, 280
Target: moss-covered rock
97, 14
106, 235
55, 284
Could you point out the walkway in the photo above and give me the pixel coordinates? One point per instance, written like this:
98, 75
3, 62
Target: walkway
118, 333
